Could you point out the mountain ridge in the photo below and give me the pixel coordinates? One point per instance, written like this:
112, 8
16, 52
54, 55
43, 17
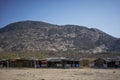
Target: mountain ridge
37, 35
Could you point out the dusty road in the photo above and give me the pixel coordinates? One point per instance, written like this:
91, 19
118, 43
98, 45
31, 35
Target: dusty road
59, 74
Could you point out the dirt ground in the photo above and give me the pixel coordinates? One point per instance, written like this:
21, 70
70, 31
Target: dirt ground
59, 74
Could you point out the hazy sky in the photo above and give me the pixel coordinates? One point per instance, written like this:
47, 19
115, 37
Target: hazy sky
101, 14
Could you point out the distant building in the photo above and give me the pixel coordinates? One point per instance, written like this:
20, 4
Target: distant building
62, 62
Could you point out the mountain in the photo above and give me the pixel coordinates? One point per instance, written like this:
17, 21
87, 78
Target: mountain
37, 35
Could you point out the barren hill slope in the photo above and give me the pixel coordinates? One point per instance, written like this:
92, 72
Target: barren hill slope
37, 35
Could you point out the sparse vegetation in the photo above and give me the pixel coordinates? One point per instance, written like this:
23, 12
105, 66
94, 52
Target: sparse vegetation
25, 55
45, 54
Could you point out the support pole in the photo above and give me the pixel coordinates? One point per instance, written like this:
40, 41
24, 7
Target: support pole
7, 63
35, 64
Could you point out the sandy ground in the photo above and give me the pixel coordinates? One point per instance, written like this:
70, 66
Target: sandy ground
59, 74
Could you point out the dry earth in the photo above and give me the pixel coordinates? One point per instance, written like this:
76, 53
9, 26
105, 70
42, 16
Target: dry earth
59, 74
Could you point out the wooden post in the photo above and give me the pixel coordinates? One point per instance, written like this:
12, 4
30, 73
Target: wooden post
64, 64
7, 63
71, 63
35, 64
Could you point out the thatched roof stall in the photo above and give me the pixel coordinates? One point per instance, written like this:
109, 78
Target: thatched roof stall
62, 62
30, 63
4, 63
113, 62
84, 62
99, 63
43, 63
107, 63
21, 63
54, 62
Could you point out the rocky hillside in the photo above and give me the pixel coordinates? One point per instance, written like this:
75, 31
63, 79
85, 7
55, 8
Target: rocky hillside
36, 35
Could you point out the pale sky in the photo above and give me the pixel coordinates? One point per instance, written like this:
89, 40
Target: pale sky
101, 14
